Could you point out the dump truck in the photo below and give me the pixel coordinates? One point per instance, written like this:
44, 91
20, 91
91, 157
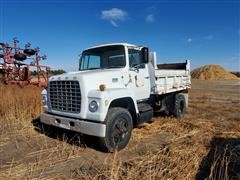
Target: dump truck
118, 87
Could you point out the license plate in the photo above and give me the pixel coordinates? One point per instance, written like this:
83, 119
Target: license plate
64, 126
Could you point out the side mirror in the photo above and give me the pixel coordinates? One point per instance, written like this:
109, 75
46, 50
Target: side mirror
145, 54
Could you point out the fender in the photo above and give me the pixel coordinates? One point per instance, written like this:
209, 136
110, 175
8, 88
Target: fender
105, 98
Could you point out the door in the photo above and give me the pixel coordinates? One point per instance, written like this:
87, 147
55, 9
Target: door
139, 74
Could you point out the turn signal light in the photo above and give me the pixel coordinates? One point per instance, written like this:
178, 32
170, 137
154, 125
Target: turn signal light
102, 87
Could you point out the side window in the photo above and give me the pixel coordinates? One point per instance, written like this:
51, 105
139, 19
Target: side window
116, 61
135, 57
91, 62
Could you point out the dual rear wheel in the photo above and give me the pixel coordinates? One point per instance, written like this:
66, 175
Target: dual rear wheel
180, 106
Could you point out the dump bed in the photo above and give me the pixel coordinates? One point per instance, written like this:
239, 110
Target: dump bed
172, 77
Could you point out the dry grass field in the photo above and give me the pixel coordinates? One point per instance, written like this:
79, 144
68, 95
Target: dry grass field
204, 144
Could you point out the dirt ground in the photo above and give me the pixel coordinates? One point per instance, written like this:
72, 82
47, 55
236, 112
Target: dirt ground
205, 143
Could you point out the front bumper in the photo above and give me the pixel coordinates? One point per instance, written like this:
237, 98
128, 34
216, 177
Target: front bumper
85, 127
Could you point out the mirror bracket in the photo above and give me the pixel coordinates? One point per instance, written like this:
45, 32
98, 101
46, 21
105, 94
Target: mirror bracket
144, 52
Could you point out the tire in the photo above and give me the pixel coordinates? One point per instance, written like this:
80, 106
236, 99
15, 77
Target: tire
24, 76
179, 106
20, 57
119, 127
29, 52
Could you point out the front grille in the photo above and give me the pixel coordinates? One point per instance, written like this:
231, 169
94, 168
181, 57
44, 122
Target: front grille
65, 96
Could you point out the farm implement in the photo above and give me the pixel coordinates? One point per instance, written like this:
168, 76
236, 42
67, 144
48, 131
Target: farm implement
14, 70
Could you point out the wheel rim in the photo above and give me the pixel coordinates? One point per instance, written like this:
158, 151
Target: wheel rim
120, 131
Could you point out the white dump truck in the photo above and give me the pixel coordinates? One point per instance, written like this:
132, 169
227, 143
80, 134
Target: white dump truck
118, 86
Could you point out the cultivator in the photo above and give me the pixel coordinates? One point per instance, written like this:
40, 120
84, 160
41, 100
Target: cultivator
13, 69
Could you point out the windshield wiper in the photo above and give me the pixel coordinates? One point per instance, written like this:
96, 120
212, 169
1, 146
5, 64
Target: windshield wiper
92, 68
109, 67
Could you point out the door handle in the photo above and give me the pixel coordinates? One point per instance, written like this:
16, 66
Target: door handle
147, 77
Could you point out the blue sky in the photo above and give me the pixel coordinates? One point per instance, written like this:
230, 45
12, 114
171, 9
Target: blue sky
204, 31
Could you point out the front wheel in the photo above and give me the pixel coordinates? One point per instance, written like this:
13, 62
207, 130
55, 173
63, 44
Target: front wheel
119, 127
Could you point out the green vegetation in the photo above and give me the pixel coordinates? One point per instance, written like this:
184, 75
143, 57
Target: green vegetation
58, 71
52, 72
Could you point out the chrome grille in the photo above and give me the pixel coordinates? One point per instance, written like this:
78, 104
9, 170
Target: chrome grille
65, 96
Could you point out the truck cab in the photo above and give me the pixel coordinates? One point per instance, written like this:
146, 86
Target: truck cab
118, 86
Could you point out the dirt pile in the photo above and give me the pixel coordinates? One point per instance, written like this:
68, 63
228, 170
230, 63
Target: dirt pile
212, 72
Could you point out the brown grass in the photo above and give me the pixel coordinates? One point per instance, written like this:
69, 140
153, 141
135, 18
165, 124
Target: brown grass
165, 149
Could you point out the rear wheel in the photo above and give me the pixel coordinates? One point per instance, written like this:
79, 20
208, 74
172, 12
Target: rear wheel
179, 106
118, 129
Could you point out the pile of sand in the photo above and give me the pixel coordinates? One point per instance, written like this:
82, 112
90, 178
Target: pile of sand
212, 72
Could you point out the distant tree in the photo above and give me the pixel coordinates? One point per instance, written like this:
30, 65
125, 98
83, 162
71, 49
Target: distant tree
56, 72
34, 73
236, 74
52, 72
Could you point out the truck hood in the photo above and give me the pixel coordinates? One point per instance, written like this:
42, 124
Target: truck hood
91, 79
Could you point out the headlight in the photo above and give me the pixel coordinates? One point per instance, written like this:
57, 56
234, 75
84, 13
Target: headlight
93, 106
44, 97
44, 100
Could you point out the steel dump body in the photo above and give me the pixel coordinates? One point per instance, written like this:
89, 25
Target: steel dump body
172, 80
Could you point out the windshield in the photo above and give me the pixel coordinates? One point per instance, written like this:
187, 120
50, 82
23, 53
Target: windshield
103, 57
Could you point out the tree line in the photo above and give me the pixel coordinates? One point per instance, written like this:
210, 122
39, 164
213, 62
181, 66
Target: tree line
52, 72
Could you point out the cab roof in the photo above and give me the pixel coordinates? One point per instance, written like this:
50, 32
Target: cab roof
112, 44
